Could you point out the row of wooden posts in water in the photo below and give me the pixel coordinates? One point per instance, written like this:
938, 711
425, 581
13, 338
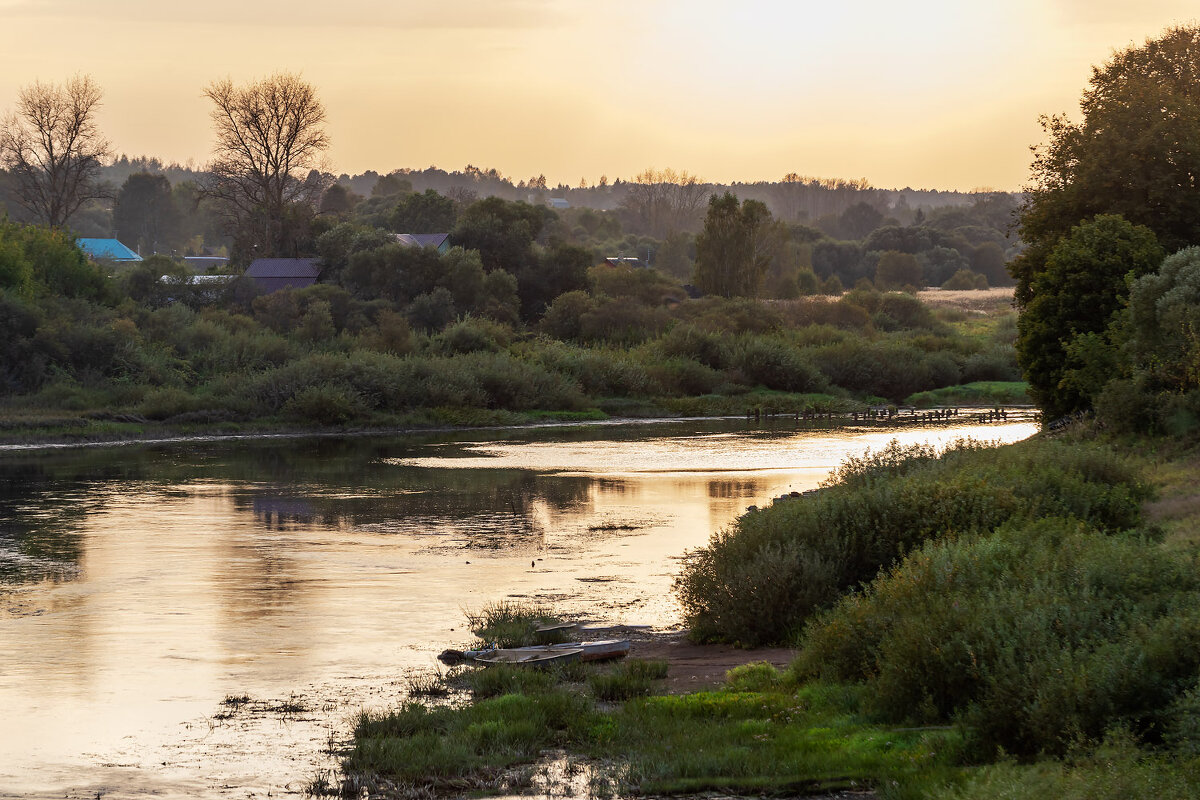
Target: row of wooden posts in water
890, 414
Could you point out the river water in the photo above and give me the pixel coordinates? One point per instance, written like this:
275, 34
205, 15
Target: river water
144, 586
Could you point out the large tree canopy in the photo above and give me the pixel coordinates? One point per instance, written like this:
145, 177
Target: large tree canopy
1082, 286
1136, 153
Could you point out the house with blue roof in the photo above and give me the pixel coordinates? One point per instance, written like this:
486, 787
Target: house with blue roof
107, 249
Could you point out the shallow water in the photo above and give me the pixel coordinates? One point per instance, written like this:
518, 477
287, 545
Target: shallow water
141, 586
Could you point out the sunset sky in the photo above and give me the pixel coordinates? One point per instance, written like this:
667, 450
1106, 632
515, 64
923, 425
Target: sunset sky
941, 94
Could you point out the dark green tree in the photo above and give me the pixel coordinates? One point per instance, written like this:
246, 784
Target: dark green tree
502, 232
1136, 153
858, 220
428, 212
145, 216
735, 247
896, 270
560, 269
338, 201
1083, 284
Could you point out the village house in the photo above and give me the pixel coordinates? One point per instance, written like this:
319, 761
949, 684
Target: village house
273, 274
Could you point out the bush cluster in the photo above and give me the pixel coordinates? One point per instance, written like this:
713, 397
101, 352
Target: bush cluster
1035, 636
760, 579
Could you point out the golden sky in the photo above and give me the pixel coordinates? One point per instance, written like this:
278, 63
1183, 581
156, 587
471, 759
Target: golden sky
940, 94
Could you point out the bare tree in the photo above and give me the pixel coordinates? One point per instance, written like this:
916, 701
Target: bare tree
270, 139
51, 147
665, 201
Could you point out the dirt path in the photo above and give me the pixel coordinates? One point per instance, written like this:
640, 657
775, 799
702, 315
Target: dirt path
695, 667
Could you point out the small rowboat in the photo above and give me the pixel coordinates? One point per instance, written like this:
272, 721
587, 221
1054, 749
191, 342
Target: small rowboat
589, 651
529, 656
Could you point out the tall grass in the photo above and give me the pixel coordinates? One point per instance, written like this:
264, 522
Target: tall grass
513, 624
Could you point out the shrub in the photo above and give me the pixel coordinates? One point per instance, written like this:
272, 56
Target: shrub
324, 405
777, 365
517, 385
886, 369
472, 334
965, 279
997, 363
167, 401
688, 341
562, 317
681, 376
622, 321
758, 580
1034, 635
600, 372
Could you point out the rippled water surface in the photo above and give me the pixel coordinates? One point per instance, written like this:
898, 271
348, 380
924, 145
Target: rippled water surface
140, 587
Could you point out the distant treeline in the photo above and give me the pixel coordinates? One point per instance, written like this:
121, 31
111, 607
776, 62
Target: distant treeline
825, 235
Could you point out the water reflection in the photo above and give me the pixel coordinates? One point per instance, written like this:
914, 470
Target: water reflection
140, 586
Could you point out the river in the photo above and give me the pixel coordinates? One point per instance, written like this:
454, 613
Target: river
142, 586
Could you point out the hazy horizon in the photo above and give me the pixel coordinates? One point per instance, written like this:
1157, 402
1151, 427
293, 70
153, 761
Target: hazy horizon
942, 97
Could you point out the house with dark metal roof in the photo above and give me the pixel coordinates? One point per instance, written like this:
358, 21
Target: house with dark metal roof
108, 249
439, 241
273, 274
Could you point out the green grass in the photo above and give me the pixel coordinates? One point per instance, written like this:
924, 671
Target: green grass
773, 743
779, 741
979, 393
629, 678
433, 746
1117, 770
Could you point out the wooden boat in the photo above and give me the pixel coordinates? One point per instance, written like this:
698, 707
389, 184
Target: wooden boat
589, 651
528, 656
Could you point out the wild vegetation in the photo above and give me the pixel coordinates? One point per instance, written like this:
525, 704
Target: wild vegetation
1016, 609
414, 337
575, 312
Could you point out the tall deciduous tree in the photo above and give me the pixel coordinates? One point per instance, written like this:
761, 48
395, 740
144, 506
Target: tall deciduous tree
1136, 153
1082, 286
52, 147
270, 137
735, 247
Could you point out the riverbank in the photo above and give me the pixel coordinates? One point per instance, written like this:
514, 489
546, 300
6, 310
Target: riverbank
879, 692
21, 434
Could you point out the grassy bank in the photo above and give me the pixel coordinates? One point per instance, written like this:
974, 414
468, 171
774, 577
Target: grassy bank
758, 734
323, 358
1016, 622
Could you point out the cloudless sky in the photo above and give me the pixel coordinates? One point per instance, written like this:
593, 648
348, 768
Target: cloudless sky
938, 94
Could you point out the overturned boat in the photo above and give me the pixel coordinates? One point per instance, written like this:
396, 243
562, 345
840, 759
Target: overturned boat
587, 651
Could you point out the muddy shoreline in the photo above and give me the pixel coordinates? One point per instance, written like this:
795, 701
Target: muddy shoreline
694, 667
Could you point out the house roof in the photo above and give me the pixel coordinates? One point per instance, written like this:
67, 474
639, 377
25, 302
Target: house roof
284, 268
273, 274
558, 202
107, 248
421, 239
